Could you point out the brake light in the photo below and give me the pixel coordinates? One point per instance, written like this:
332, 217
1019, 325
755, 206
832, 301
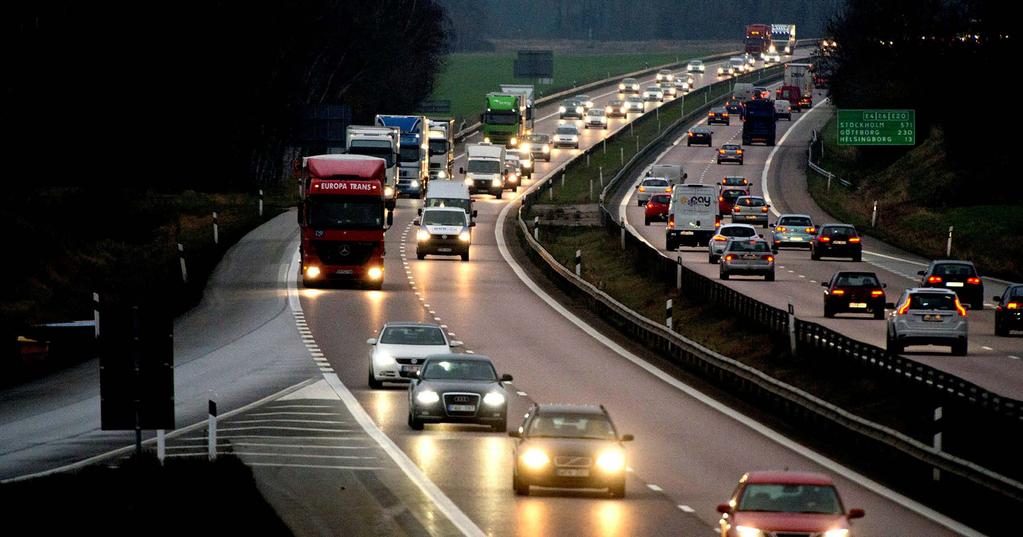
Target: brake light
721, 198
717, 221
669, 190
710, 114
838, 292
729, 257
739, 151
763, 209
671, 220
960, 308
650, 204
769, 258
1012, 306
736, 209
720, 238
642, 188
721, 151
934, 279
780, 228
690, 134
973, 281
725, 114
905, 307
811, 230
824, 238
876, 293
854, 239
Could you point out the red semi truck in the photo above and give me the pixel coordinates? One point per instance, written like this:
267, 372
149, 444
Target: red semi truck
342, 218
758, 38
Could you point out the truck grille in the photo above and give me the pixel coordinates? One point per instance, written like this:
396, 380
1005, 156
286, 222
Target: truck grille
343, 252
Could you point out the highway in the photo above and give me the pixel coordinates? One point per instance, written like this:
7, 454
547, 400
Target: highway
992, 362
689, 450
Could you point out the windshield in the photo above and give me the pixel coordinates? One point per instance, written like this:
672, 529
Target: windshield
461, 203
409, 153
537, 139
795, 222
594, 426
955, 269
459, 370
501, 118
1015, 292
413, 335
438, 147
865, 279
371, 148
443, 218
655, 182
750, 202
737, 231
839, 232
790, 499
731, 195
932, 301
484, 166
346, 213
661, 198
595, 112
748, 246
567, 130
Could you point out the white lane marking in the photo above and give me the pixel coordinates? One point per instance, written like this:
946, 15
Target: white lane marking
985, 347
1014, 357
312, 466
752, 424
654, 487
458, 518
521, 394
687, 509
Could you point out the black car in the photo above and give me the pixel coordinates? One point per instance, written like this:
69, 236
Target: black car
458, 388
854, 292
569, 446
700, 135
837, 240
734, 106
958, 276
718, 116
1009, 311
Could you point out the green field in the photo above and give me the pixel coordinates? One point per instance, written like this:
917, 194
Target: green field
467, 77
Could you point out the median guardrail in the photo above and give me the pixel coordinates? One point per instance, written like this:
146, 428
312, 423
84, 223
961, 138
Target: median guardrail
978, 410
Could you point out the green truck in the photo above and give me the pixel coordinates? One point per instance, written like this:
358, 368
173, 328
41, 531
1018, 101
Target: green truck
506, 113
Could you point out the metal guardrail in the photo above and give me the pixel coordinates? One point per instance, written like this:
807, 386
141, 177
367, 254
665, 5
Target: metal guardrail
810, 337
813, 166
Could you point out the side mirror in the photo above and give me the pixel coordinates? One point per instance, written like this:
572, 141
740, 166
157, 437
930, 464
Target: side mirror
770, 225
889, 305
371, 341
724, 508
627, 438
455, 343
884, 286
506, 378
390, 218
824, 284
461, 170
856, 513
416, 222
996, 299
419, 211
685, 175
919, 273
514, 434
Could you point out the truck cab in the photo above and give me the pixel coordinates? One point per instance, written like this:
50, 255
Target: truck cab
485, 169
342, 220
413, 155
759, 123
380, 142
693, 217
442, 148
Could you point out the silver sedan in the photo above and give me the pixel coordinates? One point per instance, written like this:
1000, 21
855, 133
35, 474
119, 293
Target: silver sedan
751, 256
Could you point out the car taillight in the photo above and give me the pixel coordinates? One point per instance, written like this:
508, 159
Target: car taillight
668, 190
838, 292
650, 204
721, 151
824, 238
690, 135
905, 307
876, 293
736, 209
720, 238
642, 188
725, 114
1012, 306
739, 151
768, 258
780, 228
763, 209
721, 198
854, 239
729, 257
717, 221
710, 114
811, 230
960, 308
934, 279
973, 281
671, 220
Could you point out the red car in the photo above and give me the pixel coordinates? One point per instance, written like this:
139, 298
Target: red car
657, 208
727, 197
779, 502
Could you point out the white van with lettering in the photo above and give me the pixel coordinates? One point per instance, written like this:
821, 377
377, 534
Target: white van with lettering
692, 216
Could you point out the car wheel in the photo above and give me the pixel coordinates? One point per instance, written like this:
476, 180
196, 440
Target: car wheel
414, 424
719, 162
617, 490
420, 256
373, 382
857, 258
465, 255
959, 348
813, 254
769, 277
646, 221
500, 427
712, 259
894, 347
1000, 329
724, 275
520, 487
688, 144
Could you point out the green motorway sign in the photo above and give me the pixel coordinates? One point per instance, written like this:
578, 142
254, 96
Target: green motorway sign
876, 127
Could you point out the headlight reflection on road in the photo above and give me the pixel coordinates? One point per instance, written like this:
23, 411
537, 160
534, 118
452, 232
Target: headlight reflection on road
424, 450
532, 517
610, 516
382, 405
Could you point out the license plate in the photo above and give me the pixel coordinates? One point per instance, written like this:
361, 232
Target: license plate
839, 242
860, 305
573, 472
687, 233
954, 284
750, 256
409, 368
932, 318
461, 408
443, 249
343, 271
797, 239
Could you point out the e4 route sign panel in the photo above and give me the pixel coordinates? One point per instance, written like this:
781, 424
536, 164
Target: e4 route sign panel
876, 127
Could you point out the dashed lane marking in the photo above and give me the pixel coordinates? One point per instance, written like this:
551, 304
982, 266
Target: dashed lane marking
522, 394
654, 487
686, 509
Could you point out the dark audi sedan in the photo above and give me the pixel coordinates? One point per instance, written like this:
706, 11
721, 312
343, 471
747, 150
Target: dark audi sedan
1009, 310
718, 115
458, 388
837, 240
700, 135
959, 276
569, 446
854, 292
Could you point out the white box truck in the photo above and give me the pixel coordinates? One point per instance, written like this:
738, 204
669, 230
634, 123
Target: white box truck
442, 148
484, 171
382, 142
693, 217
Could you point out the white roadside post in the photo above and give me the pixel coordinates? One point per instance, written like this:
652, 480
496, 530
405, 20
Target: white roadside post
667, 314
622, 154
792, 327
948, 246
678, 272
562, 179
161, 445
181, 260
936, 475
578, 262
622, 226
601, 169
95, 315
591, 189
261, 202
873, 215
211, 424
216, 229
536, 228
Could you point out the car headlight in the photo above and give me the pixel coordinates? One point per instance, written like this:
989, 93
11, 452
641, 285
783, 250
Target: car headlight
611, 461
375, 273
423, 235
312, 271
525, 146
468, 181
463, 236
492, 398
495, 182
621, 86
746, 531
427, 397
414, 183
841, 532
514, 141
546, 149
486, 139
579, 109
528, 164
535, 458
388, 191
561, 110
383, 358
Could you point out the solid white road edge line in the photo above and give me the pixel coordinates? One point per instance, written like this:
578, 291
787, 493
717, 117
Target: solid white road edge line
459, 519
767, 432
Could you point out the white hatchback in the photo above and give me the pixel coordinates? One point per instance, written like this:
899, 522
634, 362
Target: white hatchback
402, 348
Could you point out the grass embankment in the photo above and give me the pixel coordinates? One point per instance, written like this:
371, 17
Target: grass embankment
914, 212
72, 242
143, 498
468, 77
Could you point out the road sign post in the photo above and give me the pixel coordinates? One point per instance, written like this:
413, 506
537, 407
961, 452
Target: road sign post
876, 127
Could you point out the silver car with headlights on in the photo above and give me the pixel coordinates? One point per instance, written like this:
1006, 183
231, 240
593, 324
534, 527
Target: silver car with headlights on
458, 388
400, 350
927, 316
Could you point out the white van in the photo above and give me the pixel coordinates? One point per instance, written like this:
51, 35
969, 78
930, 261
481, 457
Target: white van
442, 193
693, 217
484, 171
